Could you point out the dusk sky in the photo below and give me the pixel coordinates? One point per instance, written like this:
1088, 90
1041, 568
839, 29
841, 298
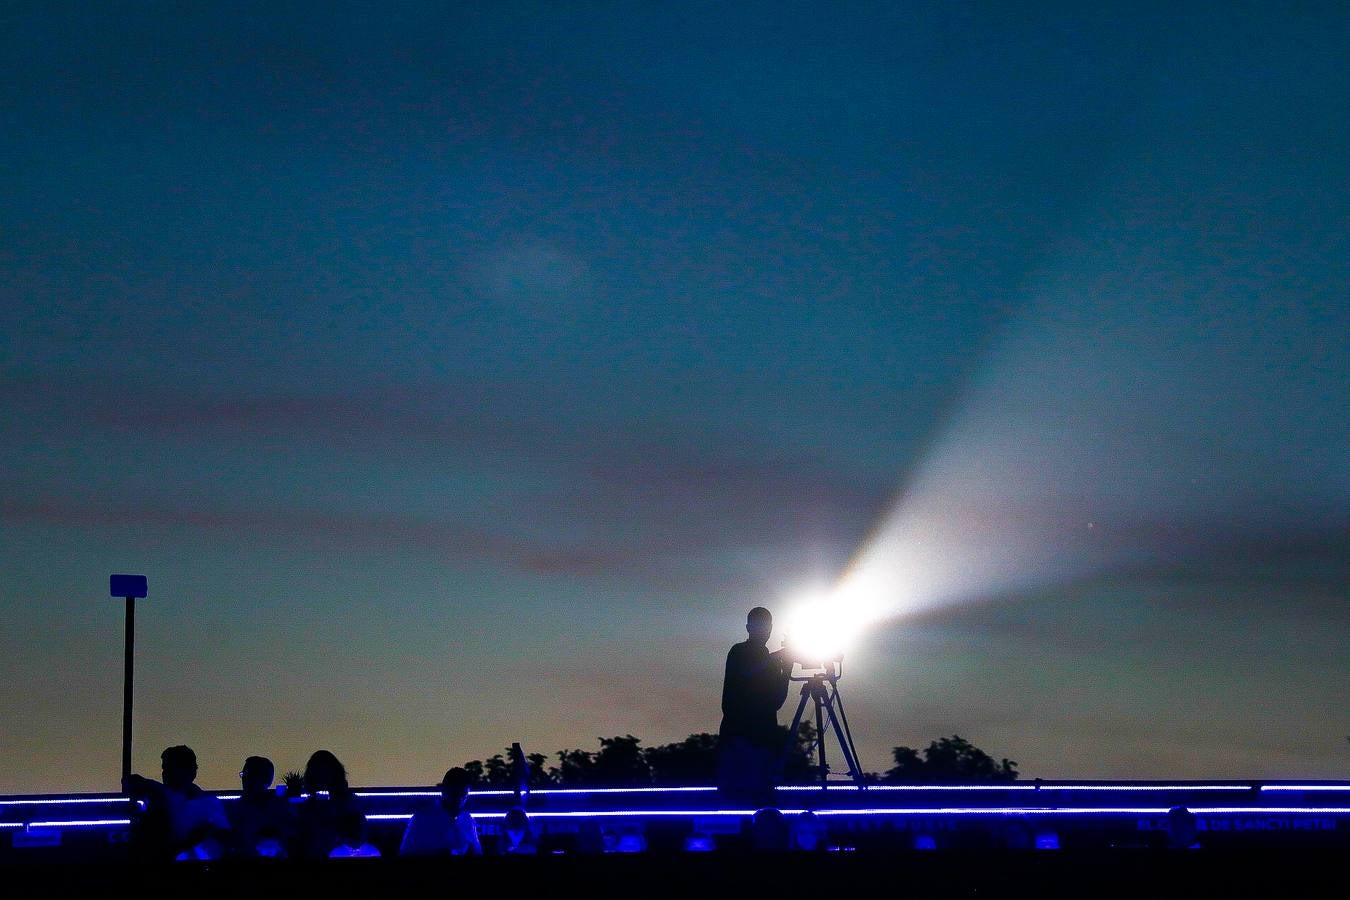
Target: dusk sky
461, 376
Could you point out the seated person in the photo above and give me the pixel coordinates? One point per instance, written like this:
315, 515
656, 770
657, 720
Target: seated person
330, 799
516, 837
444, 829
192, 822
352, 841
263, 824
1181, 829
769, 830
808, 832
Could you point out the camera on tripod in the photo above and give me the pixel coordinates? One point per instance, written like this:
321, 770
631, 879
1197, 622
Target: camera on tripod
819, 678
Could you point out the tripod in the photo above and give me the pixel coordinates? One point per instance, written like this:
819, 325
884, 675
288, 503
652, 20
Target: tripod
822, 689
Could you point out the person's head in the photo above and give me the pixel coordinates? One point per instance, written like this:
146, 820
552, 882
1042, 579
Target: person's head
1181, 828
759, 625
256, 775
324, 772
808, 832
455, 789
769, 830
516, 826
179, 767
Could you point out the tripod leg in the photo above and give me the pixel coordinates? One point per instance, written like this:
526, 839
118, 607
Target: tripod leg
848, 734
821, 700
792, 736
845, 743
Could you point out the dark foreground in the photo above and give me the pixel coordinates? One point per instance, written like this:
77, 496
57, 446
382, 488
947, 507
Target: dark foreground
942, 874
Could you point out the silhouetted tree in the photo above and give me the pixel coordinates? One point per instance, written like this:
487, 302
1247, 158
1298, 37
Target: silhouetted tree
576, 768
497, 771
540, 773
692, 761
621, 761
800, 765
475, 769
948, 760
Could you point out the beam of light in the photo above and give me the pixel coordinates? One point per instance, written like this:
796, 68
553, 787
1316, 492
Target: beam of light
1166, 395
81, 823
825, 623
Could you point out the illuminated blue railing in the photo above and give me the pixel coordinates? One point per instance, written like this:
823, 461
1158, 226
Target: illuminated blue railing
744, 813
845, 801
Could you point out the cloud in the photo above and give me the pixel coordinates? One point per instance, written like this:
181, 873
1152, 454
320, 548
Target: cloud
645, 497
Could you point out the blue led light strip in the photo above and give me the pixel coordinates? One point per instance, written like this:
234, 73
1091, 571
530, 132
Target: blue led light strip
875, 811
1021, 787
787, 788
63, 801
1305, 787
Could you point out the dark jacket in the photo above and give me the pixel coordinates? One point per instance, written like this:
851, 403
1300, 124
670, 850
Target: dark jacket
755, 686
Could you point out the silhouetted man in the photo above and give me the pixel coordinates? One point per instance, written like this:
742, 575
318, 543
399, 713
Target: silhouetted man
755, 686
516, 837
263, 823
193, 822
445, 829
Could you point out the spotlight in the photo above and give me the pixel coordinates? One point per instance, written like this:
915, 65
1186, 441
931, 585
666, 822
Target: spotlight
820, 627
824, 623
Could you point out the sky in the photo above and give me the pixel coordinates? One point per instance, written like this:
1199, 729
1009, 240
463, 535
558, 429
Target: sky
462, 375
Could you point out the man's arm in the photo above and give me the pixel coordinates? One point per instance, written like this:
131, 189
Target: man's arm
471, 834
782, 667
733, 686
138, 787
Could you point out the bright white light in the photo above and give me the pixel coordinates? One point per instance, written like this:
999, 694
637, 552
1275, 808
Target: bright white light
824, 623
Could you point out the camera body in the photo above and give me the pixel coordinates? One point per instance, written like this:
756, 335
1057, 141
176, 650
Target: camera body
801, 659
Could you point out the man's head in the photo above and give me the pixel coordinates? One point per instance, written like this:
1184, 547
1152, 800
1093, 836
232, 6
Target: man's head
808, 831
257, 774
516, 825
759, 625
179, 767
454, 789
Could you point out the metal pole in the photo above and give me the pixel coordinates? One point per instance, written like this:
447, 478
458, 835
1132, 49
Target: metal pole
129, 656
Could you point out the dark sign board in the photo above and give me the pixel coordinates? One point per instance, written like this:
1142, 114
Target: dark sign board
127, 585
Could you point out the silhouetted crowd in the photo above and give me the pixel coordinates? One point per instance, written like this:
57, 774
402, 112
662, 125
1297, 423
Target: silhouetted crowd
320, 817
176, 819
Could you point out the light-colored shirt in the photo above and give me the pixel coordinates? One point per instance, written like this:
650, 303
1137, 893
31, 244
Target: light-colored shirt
188, 812
260, 826
433, 832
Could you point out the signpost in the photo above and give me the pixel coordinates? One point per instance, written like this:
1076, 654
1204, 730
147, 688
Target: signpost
130, 587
